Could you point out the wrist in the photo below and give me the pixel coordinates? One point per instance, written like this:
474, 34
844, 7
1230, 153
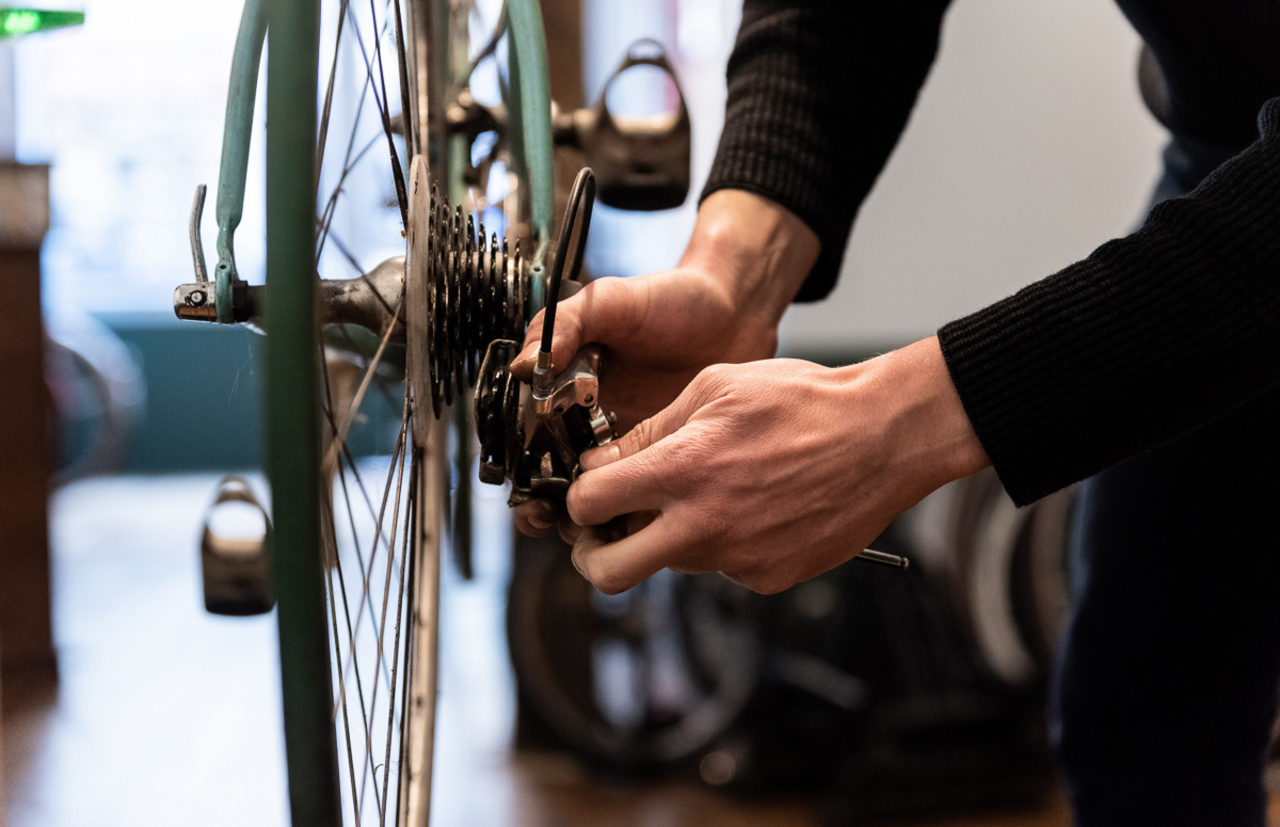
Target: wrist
754, 250
928, 432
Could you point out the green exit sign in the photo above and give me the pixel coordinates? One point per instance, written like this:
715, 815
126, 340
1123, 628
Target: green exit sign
17, 22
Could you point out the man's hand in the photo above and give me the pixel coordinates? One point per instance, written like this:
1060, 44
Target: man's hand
658, 331
745, 262
771, 472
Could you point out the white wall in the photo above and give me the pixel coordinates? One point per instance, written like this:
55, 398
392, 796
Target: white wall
1028, 148
129, 108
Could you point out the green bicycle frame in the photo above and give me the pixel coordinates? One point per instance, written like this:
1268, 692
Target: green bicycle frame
530, 135
237, 132
530, 125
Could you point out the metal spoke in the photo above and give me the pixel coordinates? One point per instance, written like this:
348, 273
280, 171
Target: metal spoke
351, 259
329, 538
327, 405
397, 172
367, 571
342, 582
352, 662
342, 695
379, 535
415, 468
341, 437
328, 94
331, 205
395, 517
349, 163
394, 666
395, 652
402, 57
392, 405
340, 430
368, 710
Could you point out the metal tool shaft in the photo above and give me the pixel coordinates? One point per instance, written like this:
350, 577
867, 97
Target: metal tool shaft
883, 558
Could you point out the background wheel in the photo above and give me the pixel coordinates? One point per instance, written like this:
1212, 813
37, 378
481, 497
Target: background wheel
649, 677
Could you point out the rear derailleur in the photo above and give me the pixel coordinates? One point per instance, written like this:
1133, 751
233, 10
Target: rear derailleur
534, 433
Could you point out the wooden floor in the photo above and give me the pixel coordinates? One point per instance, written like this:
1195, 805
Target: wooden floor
165, 715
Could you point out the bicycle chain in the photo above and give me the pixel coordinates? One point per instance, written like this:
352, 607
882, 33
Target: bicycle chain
477, 293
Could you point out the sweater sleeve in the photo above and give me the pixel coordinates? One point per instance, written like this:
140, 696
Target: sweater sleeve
1148, 338
818, 95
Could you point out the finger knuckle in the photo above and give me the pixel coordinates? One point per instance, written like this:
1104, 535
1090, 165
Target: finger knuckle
715, 381
766, 582
610, 583
620, 299
711, 376
582, 501
638, 438
693, 467
602, 289
579, 560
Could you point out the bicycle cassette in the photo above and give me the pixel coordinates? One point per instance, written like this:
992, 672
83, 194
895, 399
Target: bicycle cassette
463, 291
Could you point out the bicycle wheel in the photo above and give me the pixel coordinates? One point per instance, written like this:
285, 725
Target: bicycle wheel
360, 693
355, 565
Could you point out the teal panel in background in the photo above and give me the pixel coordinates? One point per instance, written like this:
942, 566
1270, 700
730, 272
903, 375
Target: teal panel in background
204, 397
204, 394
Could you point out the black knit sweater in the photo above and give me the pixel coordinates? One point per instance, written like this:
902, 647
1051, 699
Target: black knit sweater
1149, 337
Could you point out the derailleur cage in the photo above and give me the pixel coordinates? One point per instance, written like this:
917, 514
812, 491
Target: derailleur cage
537, 444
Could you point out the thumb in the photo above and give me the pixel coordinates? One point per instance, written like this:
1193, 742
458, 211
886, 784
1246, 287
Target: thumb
567, 340
597, 313
649, 432
573, 330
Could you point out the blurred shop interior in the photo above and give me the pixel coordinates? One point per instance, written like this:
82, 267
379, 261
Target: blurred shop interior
865, 696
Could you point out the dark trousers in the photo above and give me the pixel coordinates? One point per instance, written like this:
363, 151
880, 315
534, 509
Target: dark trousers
1167, 681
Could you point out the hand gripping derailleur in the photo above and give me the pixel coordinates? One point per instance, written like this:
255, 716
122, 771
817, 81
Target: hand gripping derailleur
533, 434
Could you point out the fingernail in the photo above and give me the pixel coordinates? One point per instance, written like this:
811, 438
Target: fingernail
600, 457
541, 517
522, 362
